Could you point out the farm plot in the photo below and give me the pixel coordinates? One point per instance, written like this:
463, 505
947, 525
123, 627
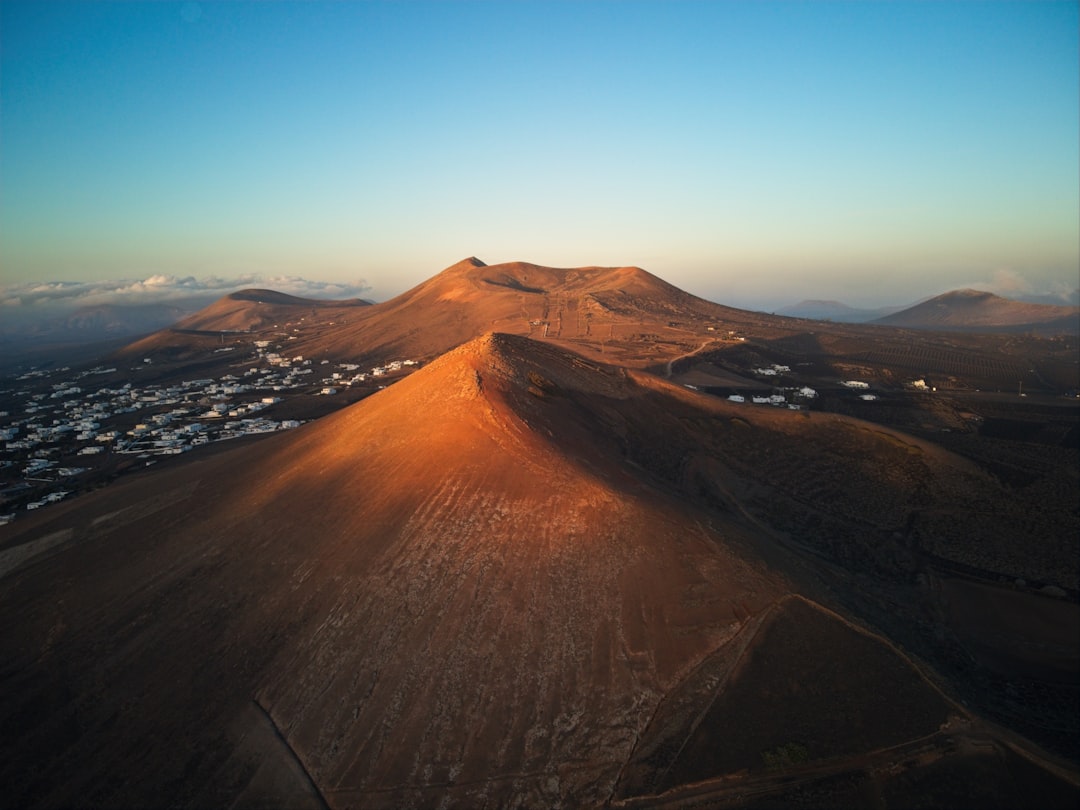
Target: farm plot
947, 362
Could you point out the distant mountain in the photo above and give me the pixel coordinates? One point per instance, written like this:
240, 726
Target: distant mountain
621, 315
585, 305
518, 577
834, 311
589, 308
93, 323
974, 310
247, 310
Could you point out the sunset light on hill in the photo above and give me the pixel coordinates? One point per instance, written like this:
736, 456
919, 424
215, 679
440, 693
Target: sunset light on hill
582, 404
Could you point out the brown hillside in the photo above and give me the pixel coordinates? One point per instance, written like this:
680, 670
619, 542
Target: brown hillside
474, 588
973, 309
251, 310
622, 314
424, 593
247, 311
582, 308
791, 661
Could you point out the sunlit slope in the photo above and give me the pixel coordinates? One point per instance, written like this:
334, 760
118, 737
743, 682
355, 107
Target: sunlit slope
249, 311
432, 587
526, 599
588, 308
476, 586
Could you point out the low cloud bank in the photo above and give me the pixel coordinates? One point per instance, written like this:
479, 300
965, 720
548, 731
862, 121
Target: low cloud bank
67, 312
1009, 283
160, 289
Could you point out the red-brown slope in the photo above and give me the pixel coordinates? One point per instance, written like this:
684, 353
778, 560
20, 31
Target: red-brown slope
583, 308
251, 310
476, 586
586, 308
429, 594
791, 662
973, 309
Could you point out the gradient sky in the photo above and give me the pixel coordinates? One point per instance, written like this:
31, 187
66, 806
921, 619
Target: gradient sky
752, 153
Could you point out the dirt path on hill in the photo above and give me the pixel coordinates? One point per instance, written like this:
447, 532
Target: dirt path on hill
667, 366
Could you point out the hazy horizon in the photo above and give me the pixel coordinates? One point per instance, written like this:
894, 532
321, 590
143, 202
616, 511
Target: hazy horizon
754, 154
31, 302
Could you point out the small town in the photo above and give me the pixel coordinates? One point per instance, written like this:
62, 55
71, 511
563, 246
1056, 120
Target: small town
61, 427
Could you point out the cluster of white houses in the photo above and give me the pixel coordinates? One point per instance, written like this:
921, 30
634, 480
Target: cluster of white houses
64, 419
772, 371
776, 369
859, 385
779, 400
781, 397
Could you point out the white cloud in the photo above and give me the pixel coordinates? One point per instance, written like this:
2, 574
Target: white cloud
163, 289
1010, 283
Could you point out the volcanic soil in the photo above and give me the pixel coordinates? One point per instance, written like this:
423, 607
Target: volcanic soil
506, 580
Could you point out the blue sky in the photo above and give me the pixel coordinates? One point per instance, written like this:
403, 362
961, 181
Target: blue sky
754, 153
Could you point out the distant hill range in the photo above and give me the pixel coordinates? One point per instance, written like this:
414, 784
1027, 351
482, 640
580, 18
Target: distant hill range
246, 310
253, 309
974, 310
588, 308
834, 311
94, 323
29, 338
970, 310
622, 315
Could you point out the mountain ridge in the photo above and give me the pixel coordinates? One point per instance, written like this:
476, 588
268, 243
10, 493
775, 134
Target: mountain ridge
823, 310
583, 308
977, 309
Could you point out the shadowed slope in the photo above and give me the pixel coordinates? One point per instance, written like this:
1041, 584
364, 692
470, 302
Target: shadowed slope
791, 662
973, 309
474, 587
426, 594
